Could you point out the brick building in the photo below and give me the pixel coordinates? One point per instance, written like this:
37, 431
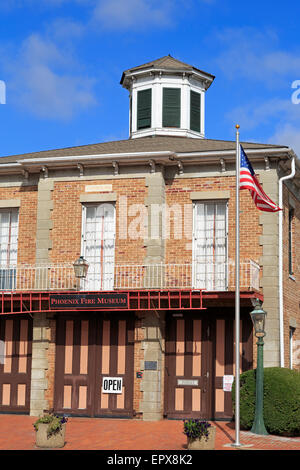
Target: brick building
149, 333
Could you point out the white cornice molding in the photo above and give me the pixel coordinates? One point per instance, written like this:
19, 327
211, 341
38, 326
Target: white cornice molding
132, 157
206, 79
180, 167
115, 165
25, 174
152, 166
81, 169
45, 171
223, 166
227, 153
267, 162
166, 158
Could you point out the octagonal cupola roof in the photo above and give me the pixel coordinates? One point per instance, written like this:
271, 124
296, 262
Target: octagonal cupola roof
167, 97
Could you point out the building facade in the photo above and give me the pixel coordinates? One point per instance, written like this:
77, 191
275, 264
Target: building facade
149, 332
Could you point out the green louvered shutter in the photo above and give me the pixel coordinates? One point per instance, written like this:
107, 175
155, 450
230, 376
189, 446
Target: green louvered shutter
171, 107
144, 102
195, 111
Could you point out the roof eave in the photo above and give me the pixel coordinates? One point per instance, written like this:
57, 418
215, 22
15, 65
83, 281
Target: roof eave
166, 157
207, 78
163, 157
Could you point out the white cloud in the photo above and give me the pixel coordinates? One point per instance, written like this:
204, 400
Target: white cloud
116, 14
36, 49
255, 58
287, 134
133, 14
41, 82
254, 114
283, 112
8, 5
65, 29
254, 55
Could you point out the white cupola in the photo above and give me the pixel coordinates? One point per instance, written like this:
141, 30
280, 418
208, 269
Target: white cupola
167, 97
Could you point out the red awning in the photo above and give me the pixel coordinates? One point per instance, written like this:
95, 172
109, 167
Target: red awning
33, 302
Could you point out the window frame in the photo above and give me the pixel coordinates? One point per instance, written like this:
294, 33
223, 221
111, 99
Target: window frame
291, 217
164, 124
138, 109
225, 202
97, 205
8, 271
191, 110
10, 210
292, 331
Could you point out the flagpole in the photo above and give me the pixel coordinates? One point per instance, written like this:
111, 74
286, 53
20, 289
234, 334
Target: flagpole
237, 291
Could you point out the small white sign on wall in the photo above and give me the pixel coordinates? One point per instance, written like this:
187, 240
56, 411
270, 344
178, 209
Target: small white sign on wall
112, 384
227, 382
98, 188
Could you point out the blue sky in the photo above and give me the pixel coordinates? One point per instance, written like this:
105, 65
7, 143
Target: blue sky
62, 61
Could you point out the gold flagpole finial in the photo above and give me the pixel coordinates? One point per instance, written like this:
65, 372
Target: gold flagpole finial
237, 126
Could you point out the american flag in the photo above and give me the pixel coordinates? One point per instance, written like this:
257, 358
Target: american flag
248, 180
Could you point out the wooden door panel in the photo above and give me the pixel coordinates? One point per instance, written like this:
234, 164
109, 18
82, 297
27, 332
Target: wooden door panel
223, 335
200, 347
74, 365
187, 386
115, 360
90, 347
15, 373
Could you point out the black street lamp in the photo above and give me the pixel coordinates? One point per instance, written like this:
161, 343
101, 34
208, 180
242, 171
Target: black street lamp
258, 317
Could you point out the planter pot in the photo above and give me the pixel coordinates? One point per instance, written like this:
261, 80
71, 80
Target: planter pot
201, 443
55, 440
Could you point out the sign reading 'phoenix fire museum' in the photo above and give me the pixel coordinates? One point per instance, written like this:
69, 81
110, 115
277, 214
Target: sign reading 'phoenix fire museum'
99, 300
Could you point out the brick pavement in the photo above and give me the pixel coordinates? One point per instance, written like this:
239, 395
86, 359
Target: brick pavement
17, 433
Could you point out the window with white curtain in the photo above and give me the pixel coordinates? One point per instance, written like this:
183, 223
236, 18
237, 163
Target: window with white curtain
210, 245
291, 341
8, 247
98, 245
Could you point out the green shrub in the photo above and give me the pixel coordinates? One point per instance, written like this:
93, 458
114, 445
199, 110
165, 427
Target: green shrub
281, 400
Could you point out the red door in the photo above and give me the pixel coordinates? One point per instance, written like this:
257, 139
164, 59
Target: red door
15, 372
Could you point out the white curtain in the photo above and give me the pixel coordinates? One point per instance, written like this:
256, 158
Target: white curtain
8, 247
220, 247
4, 238
210, 246
98, 245
199, 248
8, 237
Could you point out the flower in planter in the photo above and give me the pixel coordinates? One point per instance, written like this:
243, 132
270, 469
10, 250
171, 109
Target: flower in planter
54, 423
196, 428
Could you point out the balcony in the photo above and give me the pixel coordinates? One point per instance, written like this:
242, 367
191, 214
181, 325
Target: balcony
198, 276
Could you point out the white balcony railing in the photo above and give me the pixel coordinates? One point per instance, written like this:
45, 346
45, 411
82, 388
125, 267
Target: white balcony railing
212, 277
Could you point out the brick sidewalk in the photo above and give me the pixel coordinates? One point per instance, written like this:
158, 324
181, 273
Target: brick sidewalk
17, 433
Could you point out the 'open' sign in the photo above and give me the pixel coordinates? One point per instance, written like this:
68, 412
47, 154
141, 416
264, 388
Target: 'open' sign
112, 384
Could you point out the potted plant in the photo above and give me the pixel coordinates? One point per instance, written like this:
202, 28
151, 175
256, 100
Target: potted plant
50, 430
200, 434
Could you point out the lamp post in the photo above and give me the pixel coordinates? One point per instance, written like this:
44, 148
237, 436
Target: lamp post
258, 317
80, 268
